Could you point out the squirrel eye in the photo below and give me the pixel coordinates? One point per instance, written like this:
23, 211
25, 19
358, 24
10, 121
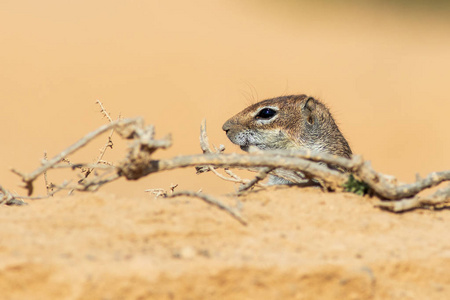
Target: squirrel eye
266, 113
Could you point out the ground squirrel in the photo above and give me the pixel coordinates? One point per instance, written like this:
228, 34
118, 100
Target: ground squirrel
289, 122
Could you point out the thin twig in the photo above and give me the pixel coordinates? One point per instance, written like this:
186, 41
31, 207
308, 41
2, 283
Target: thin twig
51, 194
204, 140
233, 175
95, 183
103, 111
204, 145
157, 192
109, 144
48, 186
232, 179
73, 166
260, 176
210, 200
162, 192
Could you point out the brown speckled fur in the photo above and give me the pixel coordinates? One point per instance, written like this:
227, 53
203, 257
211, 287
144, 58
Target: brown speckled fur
301, 122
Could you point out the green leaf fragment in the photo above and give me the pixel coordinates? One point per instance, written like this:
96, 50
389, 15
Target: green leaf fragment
356, 186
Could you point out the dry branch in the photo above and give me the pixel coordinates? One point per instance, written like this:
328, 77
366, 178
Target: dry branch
440, 197
330, 159
332, 178
295, 166
387, 190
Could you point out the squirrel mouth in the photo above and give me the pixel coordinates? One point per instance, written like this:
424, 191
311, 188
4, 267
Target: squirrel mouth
247, 147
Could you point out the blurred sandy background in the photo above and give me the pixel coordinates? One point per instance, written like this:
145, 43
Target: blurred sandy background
383, 70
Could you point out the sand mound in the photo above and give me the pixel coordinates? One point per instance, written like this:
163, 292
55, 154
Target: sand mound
299, 244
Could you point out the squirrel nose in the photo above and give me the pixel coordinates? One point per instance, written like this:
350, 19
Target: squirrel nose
226, 127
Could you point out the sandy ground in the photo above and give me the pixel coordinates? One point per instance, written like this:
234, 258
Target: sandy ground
383, 70
299, 244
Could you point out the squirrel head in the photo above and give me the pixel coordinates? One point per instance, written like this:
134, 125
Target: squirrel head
289, 122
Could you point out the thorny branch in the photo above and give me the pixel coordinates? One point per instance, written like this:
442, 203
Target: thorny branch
109, 144
48, 164
295, 166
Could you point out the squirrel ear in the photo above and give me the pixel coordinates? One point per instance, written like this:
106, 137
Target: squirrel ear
308, 109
